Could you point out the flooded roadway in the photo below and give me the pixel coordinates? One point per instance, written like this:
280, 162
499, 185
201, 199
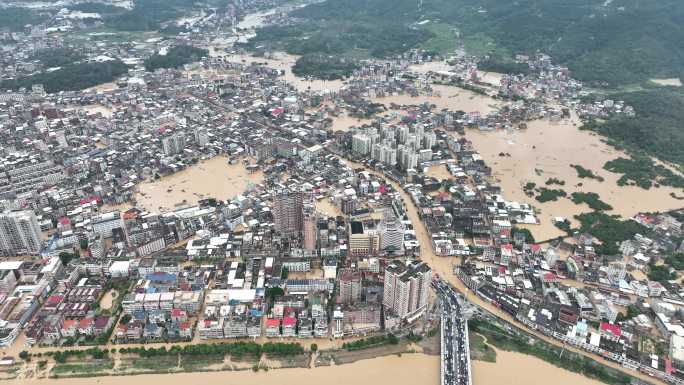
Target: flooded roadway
444, 267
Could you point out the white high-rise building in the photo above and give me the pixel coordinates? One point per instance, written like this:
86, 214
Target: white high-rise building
385, 153
173, 144
361, 144
406, 288
403, 133
391, 233
412, 142
19, 233
201, 136
429, 139
418, 131
388, 155
407, 157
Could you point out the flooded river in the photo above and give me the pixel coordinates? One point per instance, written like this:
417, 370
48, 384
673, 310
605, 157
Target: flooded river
516, 368
548, 147
409, 369
444, 266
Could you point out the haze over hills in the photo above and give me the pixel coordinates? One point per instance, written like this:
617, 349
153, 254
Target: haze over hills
607, 42
611, 42
614, 46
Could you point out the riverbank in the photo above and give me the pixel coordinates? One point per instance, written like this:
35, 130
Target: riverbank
206, 357
514, 340
404, 371
398, 369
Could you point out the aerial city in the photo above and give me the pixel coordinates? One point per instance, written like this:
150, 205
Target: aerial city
300, 192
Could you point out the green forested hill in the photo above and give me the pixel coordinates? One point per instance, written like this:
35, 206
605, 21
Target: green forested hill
609, 42
176, 57
657, 129
617, 42
15, 18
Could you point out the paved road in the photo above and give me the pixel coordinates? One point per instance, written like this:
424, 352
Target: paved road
455, 353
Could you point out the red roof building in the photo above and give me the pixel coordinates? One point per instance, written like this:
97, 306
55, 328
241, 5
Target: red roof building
549, 277
289, 322
272, 322
610, 329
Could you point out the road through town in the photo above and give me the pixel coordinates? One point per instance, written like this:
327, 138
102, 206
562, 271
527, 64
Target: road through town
444, 267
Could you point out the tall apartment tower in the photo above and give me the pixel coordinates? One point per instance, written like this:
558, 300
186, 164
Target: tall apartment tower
350, 285
201, 136
406, 288
288, 209
19, 233
309, 227
391, 233
173, 144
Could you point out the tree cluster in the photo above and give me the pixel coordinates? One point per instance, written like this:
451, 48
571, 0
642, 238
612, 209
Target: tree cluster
370, 342
72, 77
176, 57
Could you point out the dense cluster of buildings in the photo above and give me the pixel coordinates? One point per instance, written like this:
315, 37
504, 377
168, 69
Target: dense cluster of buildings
322, 246
607, 304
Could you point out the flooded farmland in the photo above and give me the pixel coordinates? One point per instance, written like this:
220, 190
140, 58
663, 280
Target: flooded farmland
547, 150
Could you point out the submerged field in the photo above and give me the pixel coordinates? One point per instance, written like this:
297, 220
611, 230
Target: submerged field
214, 178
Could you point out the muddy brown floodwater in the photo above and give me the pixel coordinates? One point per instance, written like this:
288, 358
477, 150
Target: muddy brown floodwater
213, 178
326, 207
450, 97
284, 62
409, 369
546, 150
108, 299
520, 369
103, 87
346, 123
